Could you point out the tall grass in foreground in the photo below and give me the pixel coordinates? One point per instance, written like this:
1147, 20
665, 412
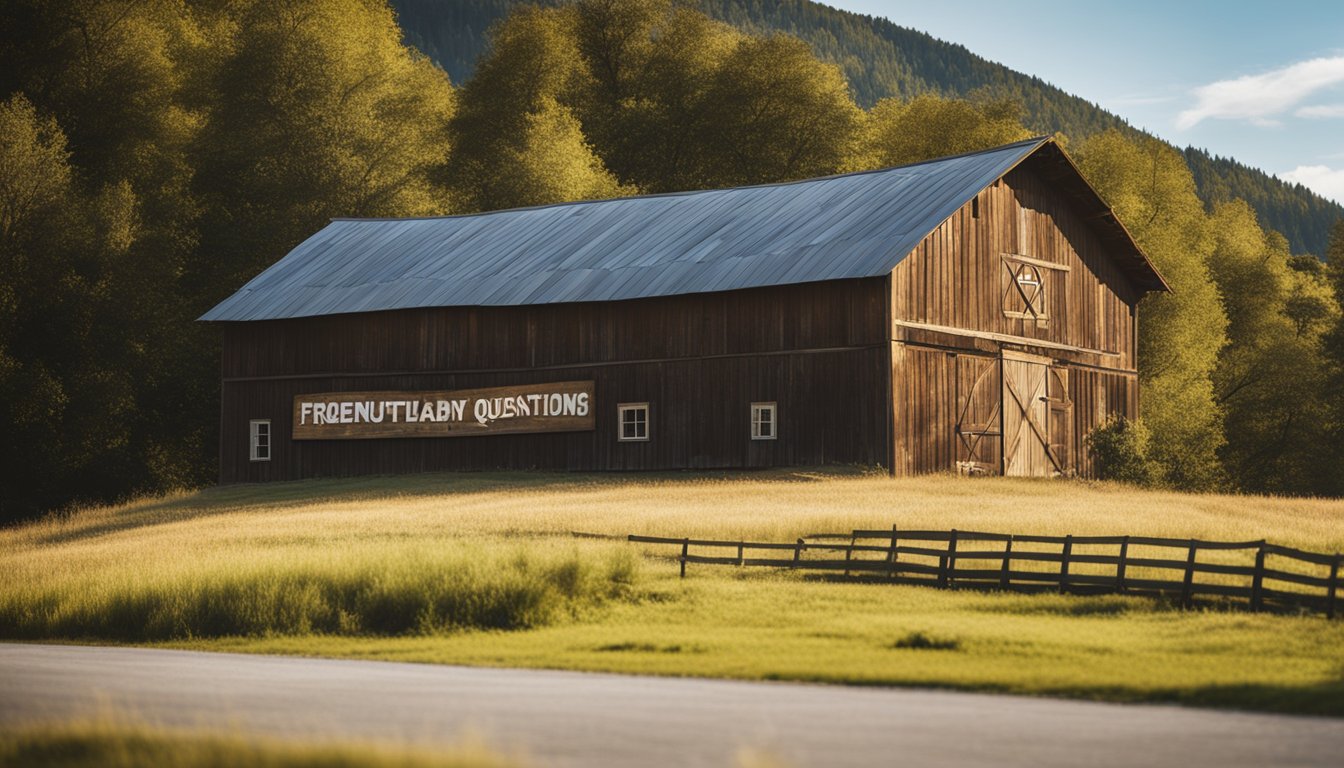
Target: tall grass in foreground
101, 745
376, 591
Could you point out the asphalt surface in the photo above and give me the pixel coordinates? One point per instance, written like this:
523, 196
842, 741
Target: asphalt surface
599, 720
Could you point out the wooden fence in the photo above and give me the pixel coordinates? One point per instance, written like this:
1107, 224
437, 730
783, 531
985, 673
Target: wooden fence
1276, 577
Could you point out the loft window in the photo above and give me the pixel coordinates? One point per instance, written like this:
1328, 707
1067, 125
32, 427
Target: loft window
633, 419
260, 440
1024, 291
763, 422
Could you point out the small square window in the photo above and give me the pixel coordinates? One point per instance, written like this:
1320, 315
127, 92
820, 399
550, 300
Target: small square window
634, 421
763, 422
260, 440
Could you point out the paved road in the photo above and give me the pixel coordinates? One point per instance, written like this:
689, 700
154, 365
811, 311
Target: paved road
578, 719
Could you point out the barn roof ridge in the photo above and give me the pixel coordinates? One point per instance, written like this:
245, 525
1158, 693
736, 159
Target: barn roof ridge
845, 226
1034, 141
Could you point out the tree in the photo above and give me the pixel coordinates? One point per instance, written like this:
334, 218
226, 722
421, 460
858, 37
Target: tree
519, 142
317, 110
66, 400
644, 107
929, 126
1269, 377
1181, 333
113, 75
776, 113
1333, 352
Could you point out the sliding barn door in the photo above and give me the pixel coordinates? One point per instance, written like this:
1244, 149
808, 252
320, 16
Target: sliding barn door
1026, 417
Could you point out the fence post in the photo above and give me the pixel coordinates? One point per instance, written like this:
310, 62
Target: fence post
685, 549
1189, 576
1003, 574
1258, 580
1064, 564
1120, 567
948, 563
797, 552
1334, 584
893, 551
849, 553
740, 546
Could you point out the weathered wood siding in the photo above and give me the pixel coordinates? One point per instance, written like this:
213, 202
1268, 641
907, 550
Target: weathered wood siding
820, 351
948, 303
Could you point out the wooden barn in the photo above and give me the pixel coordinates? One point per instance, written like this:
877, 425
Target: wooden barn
972, 313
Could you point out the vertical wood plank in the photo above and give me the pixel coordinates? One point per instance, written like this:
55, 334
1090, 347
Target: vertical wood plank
1186, 589
1333, 588
1120, 566
1258, 580
1065, 553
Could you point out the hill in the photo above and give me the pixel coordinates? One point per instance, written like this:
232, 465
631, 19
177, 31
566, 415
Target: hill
882, 59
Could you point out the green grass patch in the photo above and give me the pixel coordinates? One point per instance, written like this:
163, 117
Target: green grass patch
100, 745
765, 626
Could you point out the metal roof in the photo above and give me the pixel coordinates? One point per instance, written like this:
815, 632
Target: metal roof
849, 226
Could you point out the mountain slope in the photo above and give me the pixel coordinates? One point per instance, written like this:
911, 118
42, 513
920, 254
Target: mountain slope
882, 59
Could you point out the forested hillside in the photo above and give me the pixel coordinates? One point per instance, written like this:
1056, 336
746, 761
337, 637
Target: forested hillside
881, 59
1296, 212
156, 156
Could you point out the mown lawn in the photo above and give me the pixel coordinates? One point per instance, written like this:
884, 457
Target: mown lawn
480, 569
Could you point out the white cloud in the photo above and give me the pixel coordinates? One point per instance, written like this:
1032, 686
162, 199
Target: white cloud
1320, 179
1258, 97
1321, 110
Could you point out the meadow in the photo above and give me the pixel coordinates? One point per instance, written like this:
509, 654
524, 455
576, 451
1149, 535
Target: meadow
482, 569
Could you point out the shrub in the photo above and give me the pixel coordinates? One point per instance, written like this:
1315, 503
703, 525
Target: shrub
1119, 450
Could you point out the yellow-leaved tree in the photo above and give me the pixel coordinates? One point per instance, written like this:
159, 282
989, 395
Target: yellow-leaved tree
1182, 332
518, 141
929, 126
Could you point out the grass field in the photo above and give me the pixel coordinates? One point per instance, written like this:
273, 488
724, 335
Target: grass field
101, 744
481, 569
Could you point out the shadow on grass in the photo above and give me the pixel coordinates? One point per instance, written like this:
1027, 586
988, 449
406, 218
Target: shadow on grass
1325, 699
84, 523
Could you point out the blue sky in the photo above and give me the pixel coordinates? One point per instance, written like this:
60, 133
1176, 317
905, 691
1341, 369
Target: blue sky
1261, 82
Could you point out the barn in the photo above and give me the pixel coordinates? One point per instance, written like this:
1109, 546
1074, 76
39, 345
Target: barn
973, 313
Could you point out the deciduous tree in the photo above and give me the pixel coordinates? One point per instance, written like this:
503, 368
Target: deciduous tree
1182, 332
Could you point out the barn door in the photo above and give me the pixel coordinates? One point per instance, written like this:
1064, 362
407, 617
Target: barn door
1060, 419
1026, 417
977, 409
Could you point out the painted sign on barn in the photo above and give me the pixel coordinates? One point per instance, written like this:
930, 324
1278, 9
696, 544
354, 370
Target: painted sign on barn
565, 406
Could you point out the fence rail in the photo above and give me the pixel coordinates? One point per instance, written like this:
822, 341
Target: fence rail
1263, 575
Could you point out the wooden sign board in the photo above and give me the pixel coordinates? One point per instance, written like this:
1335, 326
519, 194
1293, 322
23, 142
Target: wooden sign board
565, 406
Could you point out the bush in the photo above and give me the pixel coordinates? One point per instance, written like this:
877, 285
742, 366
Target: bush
1119, 451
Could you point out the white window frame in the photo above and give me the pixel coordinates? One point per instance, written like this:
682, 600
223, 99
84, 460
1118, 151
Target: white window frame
756, 421
259, 449
624, 408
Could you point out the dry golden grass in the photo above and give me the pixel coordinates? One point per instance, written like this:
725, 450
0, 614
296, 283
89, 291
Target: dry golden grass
774, 506
115, 743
